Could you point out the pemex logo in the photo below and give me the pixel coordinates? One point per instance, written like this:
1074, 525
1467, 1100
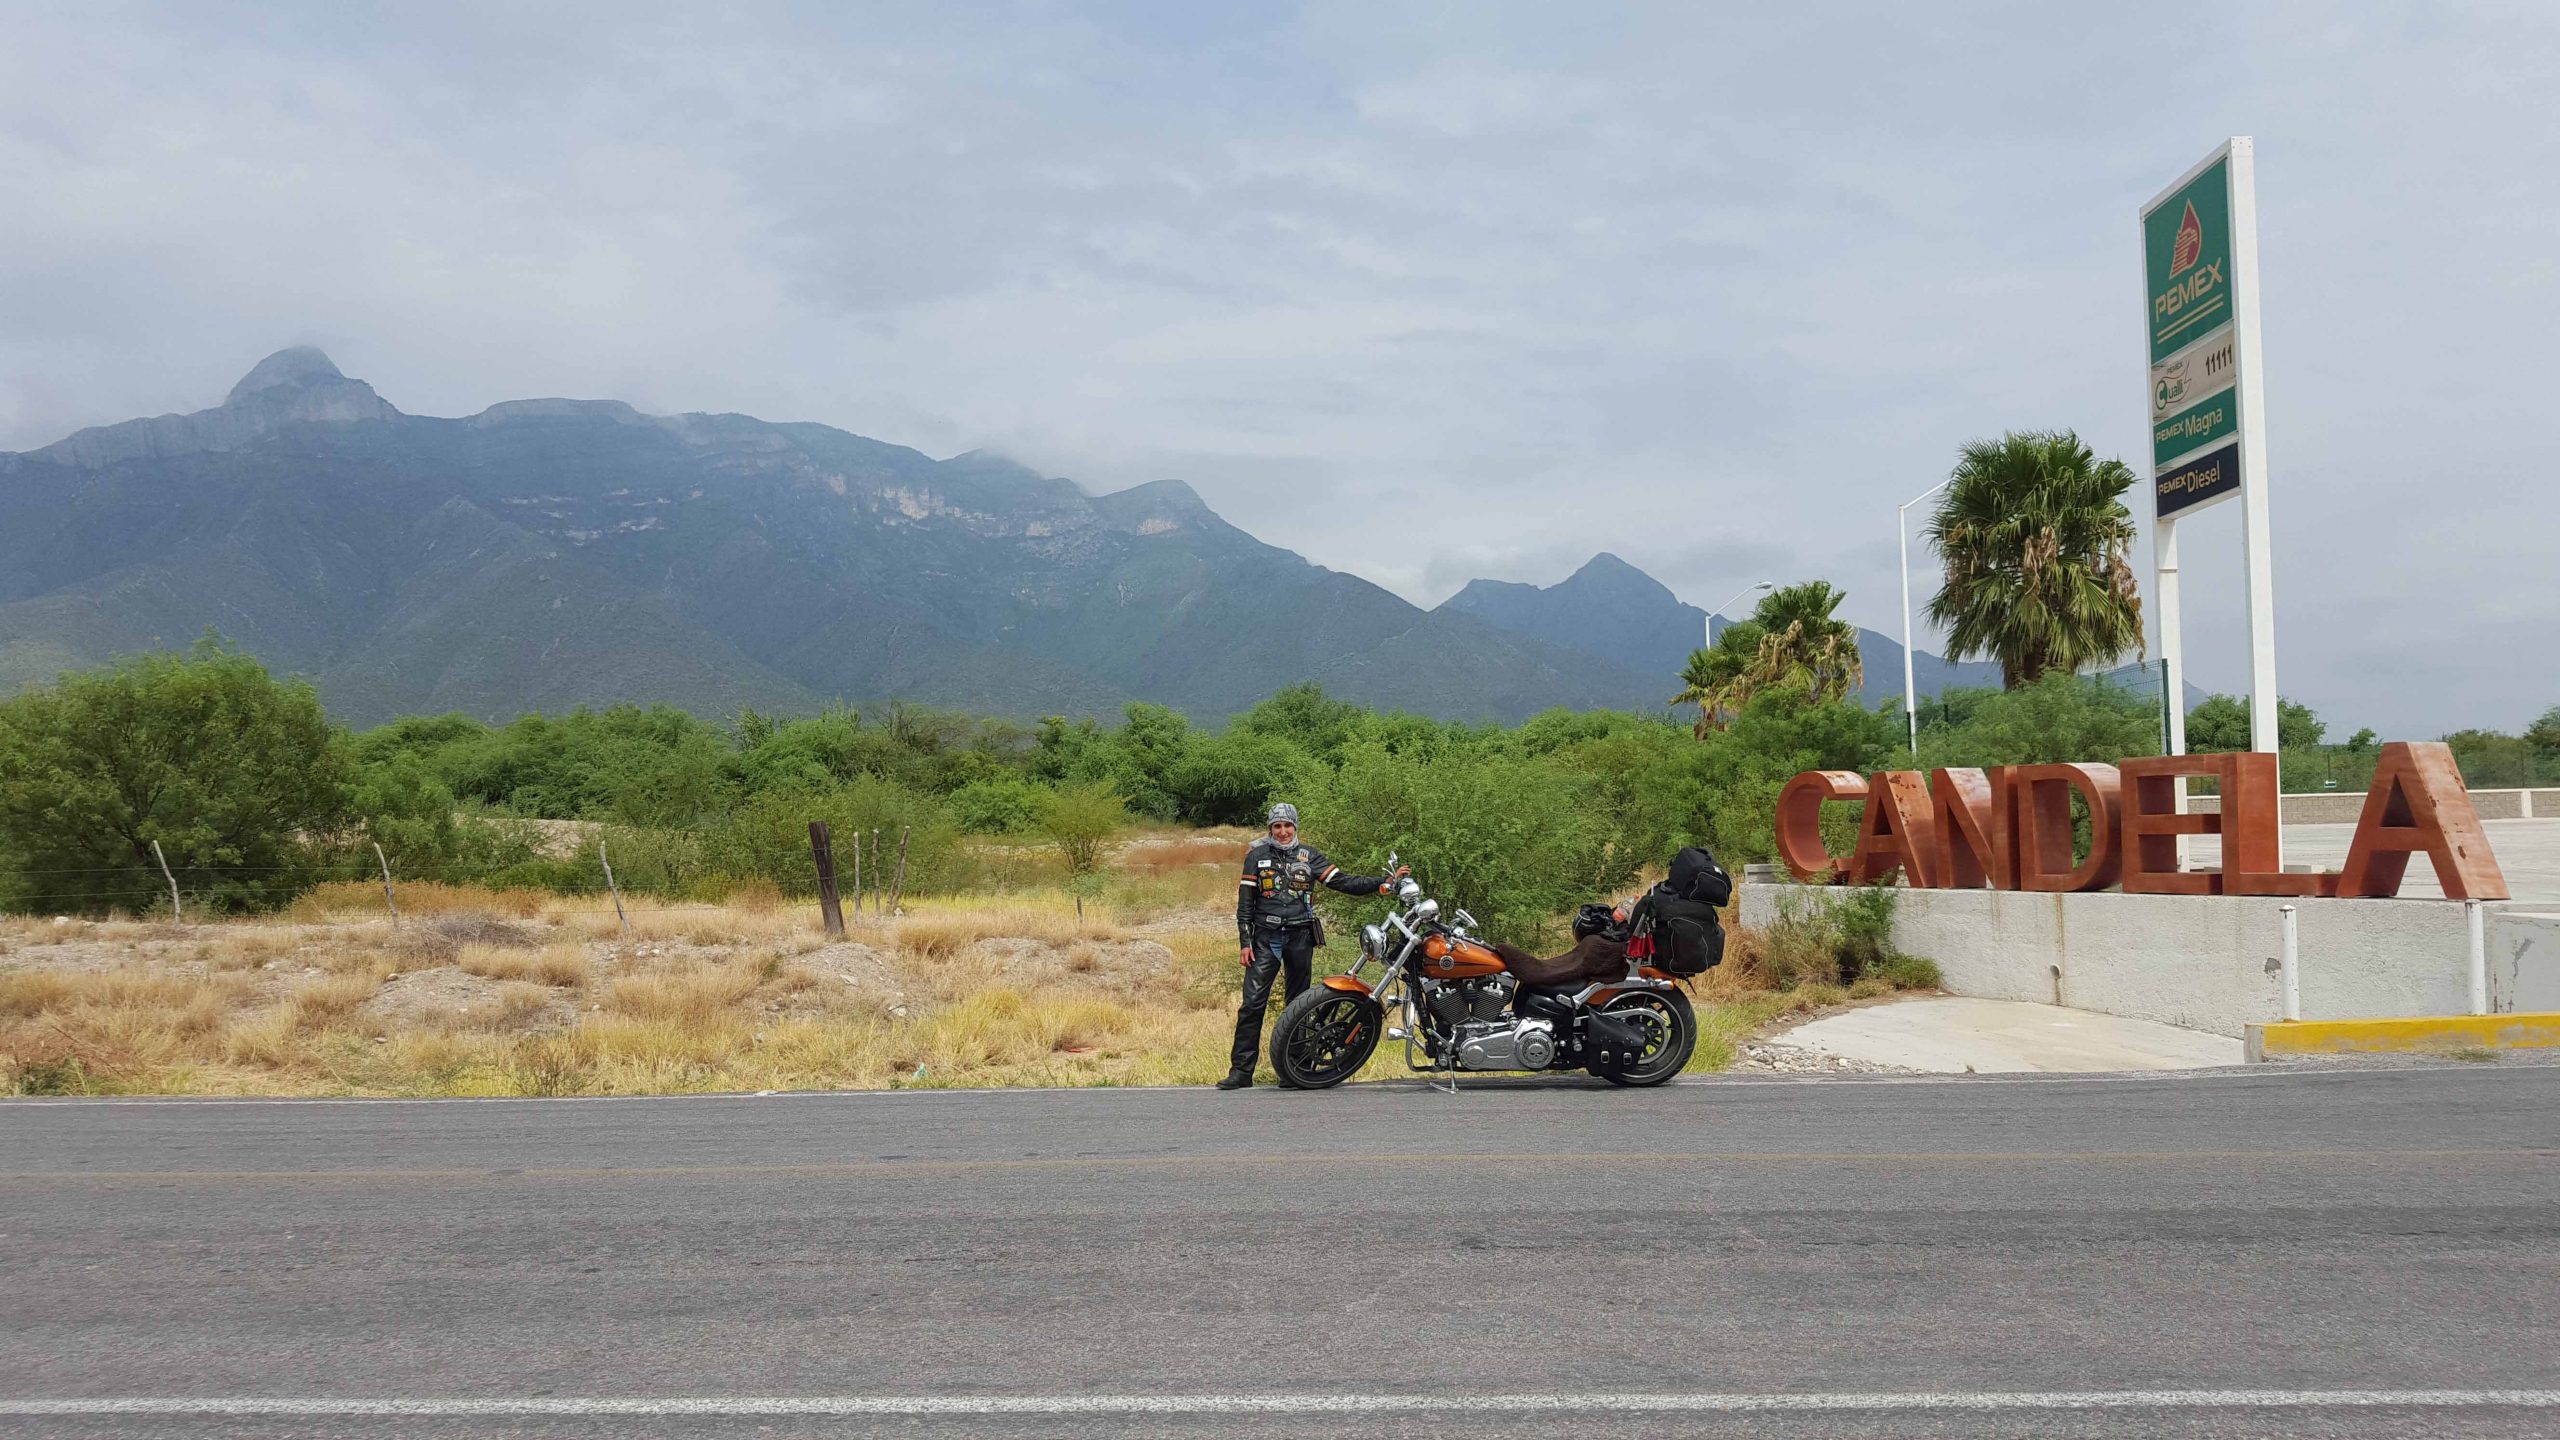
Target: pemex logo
2190, 242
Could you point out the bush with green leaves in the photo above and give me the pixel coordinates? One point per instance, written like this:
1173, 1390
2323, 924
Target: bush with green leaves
1838, 936
1516, 842
225, 766
1078, 821
767, 837
2058, 719
2220, 724
1778, 735
1001, 804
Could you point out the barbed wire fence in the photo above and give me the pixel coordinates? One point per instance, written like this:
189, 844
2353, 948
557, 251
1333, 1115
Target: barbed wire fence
197, 892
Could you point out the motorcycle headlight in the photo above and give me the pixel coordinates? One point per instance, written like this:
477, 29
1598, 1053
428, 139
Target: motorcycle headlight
1373, 941
1409, 891
1426, 912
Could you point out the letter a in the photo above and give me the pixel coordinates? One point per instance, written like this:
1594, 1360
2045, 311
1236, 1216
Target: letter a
2418, 803
1898, 832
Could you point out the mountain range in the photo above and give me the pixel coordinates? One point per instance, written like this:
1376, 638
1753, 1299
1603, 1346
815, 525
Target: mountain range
544, 554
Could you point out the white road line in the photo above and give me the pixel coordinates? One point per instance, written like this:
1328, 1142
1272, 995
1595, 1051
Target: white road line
1304, 1404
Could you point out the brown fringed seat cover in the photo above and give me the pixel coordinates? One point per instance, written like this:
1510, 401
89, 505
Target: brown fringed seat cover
1596, 957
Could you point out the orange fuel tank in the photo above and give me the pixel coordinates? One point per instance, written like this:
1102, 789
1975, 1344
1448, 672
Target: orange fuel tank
1444, 958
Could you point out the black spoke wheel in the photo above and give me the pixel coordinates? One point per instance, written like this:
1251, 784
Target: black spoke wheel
1324, 1037
1670, 1030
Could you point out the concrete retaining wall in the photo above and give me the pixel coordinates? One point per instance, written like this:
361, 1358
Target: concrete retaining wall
2209, 962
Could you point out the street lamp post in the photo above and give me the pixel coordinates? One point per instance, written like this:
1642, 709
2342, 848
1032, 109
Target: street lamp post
1902, 538
1736, 595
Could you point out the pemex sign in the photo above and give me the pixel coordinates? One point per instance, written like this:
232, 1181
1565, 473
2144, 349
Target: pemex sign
2192, 279
2011, 828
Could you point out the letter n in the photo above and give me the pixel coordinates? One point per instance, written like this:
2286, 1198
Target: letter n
2418, 803
1972, 824
1898, 832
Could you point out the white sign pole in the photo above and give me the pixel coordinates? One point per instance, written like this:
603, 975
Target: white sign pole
2254, 535
2173, 656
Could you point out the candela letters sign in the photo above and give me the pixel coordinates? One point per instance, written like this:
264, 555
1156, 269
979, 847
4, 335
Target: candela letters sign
2010, 828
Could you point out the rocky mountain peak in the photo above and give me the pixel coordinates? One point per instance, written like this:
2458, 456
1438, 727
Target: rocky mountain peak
299, 385
297, 367
1607, 578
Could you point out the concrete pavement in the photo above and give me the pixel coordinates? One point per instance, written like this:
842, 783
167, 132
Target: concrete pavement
2216, 1245
1952, 1034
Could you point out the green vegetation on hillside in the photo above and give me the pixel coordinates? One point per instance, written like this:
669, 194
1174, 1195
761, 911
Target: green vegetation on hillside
253, 796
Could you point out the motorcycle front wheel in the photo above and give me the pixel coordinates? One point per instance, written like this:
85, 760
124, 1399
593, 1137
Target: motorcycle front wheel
1324, 1037
1671, 1033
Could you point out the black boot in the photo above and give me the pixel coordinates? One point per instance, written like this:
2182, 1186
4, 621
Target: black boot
1237, 1079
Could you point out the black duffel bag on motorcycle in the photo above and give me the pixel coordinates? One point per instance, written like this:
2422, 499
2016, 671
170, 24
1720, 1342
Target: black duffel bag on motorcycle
1679, 915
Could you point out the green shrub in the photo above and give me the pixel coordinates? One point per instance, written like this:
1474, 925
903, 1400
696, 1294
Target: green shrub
1516, 842
227, 768
1077, 821
767, 836
1825, 935
996, 805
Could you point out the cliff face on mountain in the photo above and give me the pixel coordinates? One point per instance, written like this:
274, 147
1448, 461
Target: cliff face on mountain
548, 553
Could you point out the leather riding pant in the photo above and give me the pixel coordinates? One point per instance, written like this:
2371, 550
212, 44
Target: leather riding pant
1276, 948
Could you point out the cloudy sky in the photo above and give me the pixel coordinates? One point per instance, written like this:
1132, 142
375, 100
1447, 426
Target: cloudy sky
1424, 292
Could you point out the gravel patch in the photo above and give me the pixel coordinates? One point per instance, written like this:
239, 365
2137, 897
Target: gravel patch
446, 998
1767, 1057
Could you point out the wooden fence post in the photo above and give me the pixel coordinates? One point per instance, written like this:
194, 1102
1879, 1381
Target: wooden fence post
387, 897
857, 870
877, 889
822, 853
607, 863
176, 912
898, 887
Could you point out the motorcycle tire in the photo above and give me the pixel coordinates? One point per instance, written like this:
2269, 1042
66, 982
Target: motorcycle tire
1670, 1013
1324, 1037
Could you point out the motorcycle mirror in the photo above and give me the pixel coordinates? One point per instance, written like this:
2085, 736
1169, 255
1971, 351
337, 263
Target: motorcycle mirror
1465, 919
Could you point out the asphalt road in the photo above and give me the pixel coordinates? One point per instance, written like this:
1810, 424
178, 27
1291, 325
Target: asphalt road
2207, 1253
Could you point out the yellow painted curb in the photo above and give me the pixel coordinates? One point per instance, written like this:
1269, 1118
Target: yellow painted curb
2414, 1032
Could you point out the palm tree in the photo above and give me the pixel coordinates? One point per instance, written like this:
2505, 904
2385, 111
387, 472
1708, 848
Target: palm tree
2036, 537
1790, 641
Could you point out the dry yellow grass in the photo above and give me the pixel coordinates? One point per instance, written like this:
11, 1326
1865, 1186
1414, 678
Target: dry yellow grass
541, 994
524, 994
551, 965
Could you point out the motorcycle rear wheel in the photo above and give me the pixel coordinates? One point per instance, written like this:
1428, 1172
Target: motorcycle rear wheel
1672, 1034
1324, 1037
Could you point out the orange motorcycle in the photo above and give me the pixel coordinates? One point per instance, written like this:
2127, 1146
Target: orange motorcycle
1463, 1004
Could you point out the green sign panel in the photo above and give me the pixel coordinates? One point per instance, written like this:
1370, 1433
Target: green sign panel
2186, 255
2215, 419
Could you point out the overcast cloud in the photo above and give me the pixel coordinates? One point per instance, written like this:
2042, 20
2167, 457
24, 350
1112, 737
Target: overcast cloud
1422, 292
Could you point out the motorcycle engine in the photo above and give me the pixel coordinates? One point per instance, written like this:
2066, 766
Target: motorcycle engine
1454, 1002
1506, 1045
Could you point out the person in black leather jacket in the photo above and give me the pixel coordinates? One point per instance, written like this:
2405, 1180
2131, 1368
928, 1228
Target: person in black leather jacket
1277, 928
